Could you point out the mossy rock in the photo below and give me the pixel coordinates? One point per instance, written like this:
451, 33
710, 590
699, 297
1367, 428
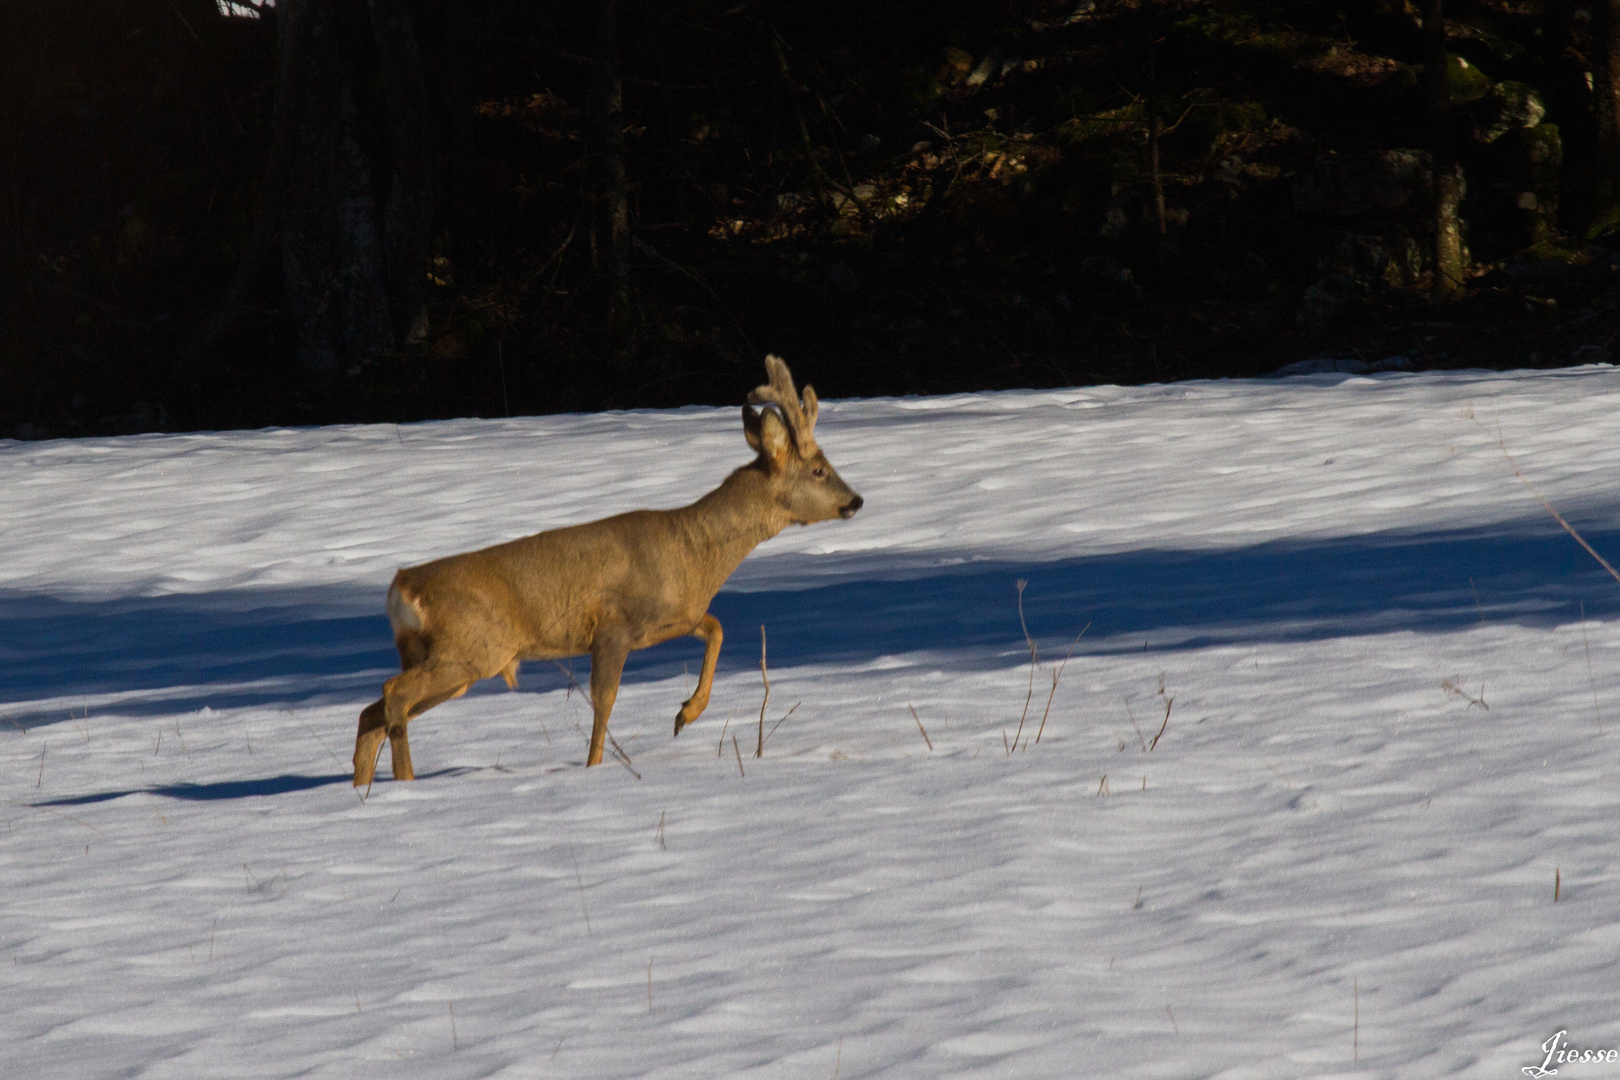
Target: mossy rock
1509, 106
1468, 83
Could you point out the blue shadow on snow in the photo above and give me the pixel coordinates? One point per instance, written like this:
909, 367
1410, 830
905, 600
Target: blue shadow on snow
277, 649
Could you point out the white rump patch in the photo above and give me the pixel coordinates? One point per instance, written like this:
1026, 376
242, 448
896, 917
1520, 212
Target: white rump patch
403, 611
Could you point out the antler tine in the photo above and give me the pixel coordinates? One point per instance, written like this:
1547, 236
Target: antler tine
780, 391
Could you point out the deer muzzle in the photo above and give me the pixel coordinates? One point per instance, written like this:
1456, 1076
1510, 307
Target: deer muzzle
848, 510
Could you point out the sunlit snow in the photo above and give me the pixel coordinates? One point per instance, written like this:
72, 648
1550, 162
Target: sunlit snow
1380, 684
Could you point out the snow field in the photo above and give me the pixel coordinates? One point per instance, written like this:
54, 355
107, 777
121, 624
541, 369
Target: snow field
1327, 866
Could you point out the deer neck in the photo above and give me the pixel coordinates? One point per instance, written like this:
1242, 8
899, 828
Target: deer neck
733, 519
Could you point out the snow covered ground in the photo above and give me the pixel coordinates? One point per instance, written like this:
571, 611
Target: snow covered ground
1325, 864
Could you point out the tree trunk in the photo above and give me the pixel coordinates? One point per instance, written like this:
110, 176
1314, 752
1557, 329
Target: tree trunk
408, 219
1448, 258
1606, 113
331, 249
1155, 133
611, 218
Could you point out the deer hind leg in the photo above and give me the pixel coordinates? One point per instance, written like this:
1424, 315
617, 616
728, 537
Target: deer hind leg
608, 653
708, 628
412, 693
368, 743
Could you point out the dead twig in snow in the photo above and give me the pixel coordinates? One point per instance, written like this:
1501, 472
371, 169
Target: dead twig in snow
765, 674
778, 724
922, 729
1056, 675
1579, 539
1450, 686
1139, 739
1591, 678
1034, 661
1167, 704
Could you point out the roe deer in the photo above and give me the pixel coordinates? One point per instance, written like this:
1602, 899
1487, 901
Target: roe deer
603, 588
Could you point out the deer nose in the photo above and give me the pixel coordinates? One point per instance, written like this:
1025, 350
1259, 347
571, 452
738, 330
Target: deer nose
854, 504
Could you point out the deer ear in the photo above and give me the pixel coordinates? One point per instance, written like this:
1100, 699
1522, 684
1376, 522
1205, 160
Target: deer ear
751, 427
775, 441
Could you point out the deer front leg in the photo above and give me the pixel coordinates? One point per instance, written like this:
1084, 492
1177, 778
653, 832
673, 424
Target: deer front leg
708, 628
608, 654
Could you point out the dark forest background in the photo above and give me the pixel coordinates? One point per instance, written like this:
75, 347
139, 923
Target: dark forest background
356, 210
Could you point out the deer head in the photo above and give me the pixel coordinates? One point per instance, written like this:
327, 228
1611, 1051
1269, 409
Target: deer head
804, 482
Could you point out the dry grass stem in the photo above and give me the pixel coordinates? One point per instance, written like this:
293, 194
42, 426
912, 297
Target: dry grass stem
1140, 740
1167, 704
661, 845
920, 727
778, 724
620, 756
738, 751
720, 747
14, 724
1579, 539
1558, 883
455, 1043
1102, 785
40, 782
838, 1063
1590, 677
764, 674
579, 880
1450, 686
211, 934
343, 765
58, 813
1056, 675
573, 683
1034, 661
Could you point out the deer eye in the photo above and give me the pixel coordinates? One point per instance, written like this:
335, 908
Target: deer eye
818, 472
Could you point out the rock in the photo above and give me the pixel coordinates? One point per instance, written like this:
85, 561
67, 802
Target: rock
1396, 261
1362, 185
1541, 274
1509, 106
1329, 366
987, 67
955, 64
1097, 266
1322, 366
1468, 83
1116, 219
1325, 301
842, 277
